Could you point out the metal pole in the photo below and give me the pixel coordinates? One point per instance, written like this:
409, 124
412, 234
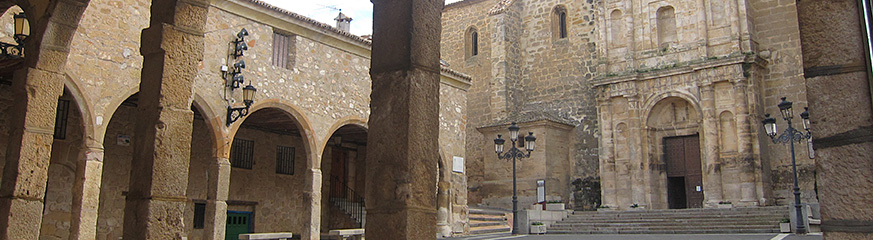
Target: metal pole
801, 228
514, 192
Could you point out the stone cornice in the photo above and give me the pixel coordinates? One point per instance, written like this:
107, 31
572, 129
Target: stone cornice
535, 123
660, 73
455, 79
461, 4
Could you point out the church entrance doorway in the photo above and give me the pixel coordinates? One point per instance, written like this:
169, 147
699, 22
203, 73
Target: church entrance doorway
684, 174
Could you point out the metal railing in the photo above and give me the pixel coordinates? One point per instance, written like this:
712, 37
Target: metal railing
347, 200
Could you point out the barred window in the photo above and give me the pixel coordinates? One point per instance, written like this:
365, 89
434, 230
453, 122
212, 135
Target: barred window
199, 215
285, 160
61, 119
241, 153
284, 48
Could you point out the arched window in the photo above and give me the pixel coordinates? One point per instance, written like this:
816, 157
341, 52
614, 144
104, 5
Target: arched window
616, 28
666, 26
559, 23
471, 42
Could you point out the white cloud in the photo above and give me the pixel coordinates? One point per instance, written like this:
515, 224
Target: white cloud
361, 11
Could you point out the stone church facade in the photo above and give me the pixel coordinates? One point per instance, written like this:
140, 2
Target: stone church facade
287, 166
656, 102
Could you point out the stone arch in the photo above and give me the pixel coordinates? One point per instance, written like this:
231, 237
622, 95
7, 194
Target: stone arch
666, 26
103, 118
616, 28
690, 98
299, 118
349, 120
674, 117
727, 131
343, 166
471, 42
560, 23
213, 123
84, 106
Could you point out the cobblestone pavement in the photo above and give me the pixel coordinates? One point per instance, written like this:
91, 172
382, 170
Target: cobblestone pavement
505, 236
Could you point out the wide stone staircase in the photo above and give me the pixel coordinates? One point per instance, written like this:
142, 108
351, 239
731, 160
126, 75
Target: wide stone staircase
484, 221
673, 221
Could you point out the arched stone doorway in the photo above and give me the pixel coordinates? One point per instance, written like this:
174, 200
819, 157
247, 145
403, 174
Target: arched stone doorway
344, 167
268, 158
673, 126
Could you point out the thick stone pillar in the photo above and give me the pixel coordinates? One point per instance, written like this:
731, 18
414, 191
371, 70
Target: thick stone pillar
747, 164
216, 198
172, 48
712, 176
443, 211
312, 194
403, 153
28, 153
607, 158
86, 194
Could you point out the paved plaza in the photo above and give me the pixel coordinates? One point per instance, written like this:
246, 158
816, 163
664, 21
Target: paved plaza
502, 236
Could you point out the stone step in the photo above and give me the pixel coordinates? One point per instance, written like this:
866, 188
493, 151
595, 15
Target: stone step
474, 223
489, 212
736, 220
487, 218
489, 229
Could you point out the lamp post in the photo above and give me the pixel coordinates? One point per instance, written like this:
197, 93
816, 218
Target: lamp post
790, 135
514, 153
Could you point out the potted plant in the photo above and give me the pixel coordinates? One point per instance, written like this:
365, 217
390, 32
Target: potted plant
785, 225
635, 207
555, 205
537, 228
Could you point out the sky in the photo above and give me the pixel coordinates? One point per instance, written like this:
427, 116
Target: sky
361, 11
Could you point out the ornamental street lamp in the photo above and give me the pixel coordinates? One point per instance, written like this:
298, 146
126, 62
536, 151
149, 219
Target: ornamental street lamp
790, 136
514, 153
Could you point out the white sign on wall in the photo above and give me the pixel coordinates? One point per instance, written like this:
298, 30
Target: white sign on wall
458, 164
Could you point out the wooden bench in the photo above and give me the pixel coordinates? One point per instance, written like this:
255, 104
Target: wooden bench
265, 236
344, 234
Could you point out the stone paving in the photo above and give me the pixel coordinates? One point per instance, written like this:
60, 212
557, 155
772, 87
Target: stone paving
502, 236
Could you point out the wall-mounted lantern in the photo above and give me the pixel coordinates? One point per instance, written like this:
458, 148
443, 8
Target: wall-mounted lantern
238, 46
22, 29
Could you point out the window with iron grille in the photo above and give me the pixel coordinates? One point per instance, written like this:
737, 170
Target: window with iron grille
199, 215
61, 119
285, 160
284, 48
241, 153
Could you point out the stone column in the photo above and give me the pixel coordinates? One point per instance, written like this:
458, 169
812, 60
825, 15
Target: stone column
746, 159
404, 123
312, 194
443, 211
172, 47
712, 176
86, 194
635, 144
28, 153
607, 158
216, 198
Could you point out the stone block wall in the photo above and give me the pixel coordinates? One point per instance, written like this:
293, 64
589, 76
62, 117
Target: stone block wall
524, 74
776, 38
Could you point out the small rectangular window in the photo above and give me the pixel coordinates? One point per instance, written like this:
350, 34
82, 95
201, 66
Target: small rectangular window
285, 160
199, 215
241, 153
61, 119
284, 49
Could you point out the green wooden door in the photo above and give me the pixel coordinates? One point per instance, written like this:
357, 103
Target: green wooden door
237, 223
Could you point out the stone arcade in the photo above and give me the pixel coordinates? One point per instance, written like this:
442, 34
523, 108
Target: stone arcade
115, 125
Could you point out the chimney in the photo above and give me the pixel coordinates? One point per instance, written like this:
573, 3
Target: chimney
343, 22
